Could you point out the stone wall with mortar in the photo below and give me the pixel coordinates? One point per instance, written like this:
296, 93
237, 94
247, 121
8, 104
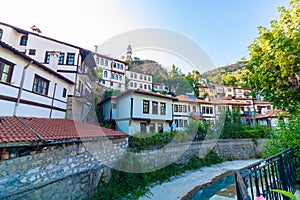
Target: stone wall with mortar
229, 149
67, 172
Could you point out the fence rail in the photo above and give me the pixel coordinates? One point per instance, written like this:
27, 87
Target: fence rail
260, 178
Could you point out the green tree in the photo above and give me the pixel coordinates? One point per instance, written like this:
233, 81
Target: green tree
274, 66
229, 80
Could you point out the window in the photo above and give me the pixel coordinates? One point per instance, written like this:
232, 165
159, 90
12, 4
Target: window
152, 127
97, 60
114, 106
106, 62
32, 52
112, 76
194, 108
40, 85
185, 123
160, 127
175, 108
176, 122
207, 110
64, 94
47, 58
5, 71
120, 77
149, 78
141, 77
103, 82
117, 77
154, 107
61, 58
135, 85
184, 108
1, 33
163, 108
145, 87
135, 76
105, 74
179, 108
149, 87
131, 75
145, 78
70, 58
101, 61
111, 84
180, 124
143, 127
146, 106
23, 41
141, 86
131, 84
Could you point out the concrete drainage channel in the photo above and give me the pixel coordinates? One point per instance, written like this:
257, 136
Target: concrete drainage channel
222, 186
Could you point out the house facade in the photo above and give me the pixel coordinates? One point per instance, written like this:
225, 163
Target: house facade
113, 71
29, 88
72, 62
138, 111
139, 81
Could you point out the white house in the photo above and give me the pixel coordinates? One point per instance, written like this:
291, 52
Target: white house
185, 109
137, 111
271, 118
139, 81
29, 88
72, 62
160, 87
113, 71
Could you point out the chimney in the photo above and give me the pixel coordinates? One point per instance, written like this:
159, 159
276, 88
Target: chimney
36, 29
96, 48
53, 63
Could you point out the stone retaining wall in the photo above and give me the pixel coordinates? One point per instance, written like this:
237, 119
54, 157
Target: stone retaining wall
62, 173
229, 149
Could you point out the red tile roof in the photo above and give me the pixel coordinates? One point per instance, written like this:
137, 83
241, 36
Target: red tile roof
270, 114
12, 129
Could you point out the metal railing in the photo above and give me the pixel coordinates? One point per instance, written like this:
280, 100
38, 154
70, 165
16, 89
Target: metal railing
260, 178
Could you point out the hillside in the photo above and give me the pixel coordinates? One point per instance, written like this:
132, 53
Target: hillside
215, 76
149, 67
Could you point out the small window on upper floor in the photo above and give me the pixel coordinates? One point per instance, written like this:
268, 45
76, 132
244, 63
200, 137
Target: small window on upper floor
23, 41
47, 58
70, 58
64, 94
106, 62
101, 61
1, 33
61, 59
32, 52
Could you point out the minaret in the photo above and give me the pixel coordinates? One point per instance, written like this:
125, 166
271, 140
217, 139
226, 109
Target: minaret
129, 53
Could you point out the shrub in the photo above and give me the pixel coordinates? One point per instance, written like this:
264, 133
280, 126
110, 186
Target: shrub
123, 185
287, 135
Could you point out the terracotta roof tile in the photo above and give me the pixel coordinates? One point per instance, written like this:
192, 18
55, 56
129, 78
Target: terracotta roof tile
12, 130
270, 114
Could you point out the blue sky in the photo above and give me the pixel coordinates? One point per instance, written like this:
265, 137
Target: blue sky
223, 28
